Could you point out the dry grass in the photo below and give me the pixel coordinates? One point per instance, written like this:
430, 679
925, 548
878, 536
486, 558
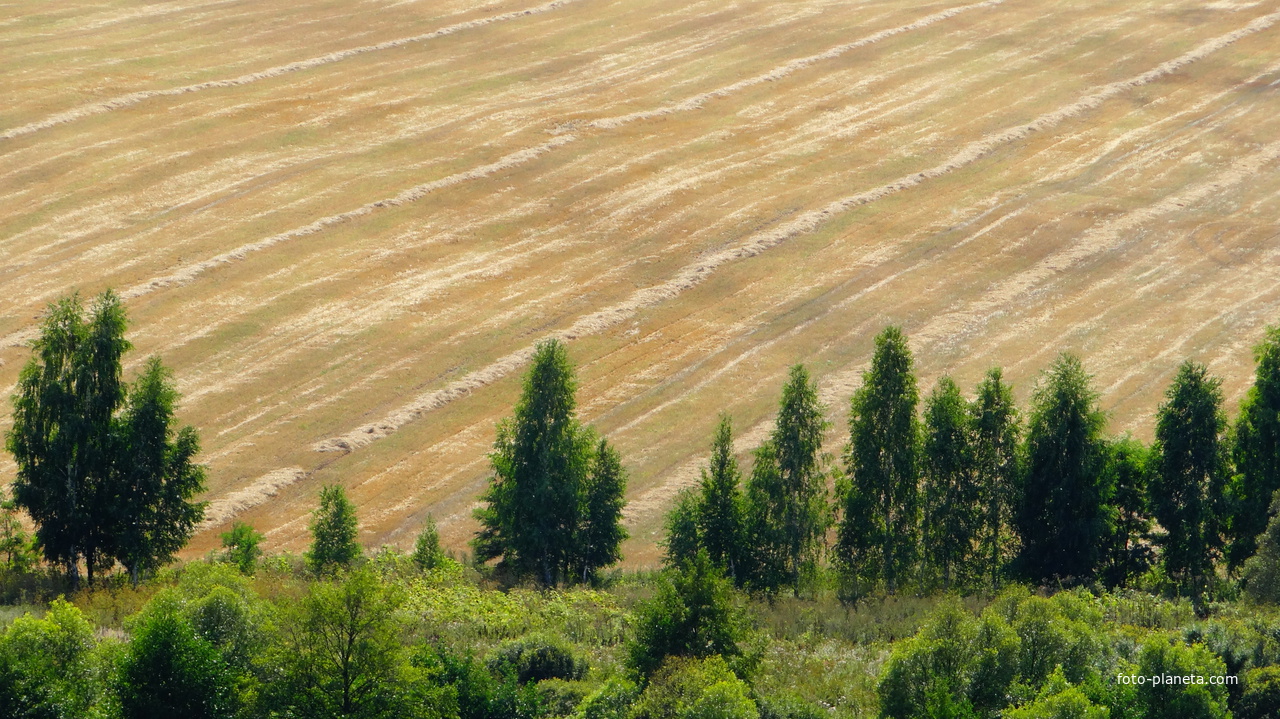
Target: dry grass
345, 223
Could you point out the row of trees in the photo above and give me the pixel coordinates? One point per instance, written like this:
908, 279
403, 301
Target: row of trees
103, 469
966, 493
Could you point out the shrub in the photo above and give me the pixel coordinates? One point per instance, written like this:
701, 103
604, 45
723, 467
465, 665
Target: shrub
560, 698
685, 688
481, 695
45, 664
695, 613
242, 547
611, 701
427, 554
1160, 657
1059, 700
539, 657
1261, 697
169, 671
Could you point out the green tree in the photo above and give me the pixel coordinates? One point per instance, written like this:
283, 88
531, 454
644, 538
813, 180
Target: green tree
1127, 468
1262, 571
157, 477
695, 613
18, 550
242, 547
1256, 453
788, 499
599, 538
169, 671
426, 549
333, 530
951, 499
62, 438
1190, 471
995, 456
878, 538
540, 461
1062, 516
721, 517
344, 652
682, 537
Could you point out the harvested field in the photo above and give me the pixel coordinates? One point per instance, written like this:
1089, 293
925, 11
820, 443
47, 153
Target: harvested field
345, 223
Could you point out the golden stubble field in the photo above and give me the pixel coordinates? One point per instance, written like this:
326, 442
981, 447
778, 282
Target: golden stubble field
345, 223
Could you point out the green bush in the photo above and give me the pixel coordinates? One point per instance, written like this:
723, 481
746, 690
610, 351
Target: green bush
611, 701
169, 671
46, 667
1160, 657
539, 657
481, 695
695, 613
1261, 696
685, 688
1059, 700
560, 698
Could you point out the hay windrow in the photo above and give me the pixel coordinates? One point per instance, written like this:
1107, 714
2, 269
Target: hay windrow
806, 223
123, 101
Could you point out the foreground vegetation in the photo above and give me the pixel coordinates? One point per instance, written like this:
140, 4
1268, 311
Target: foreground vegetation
388, 638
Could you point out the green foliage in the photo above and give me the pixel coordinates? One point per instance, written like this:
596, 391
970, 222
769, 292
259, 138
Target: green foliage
62, 435
427, 554
46, 667
613, 700
18, 551
790, 513
537, 658
695, 613
1262, 571
721, 523
1261, 697
242, 545
951, 490
1256, 453
553, 505
1190, 472
342, 653
682, 539
995, 458
687, 688
476, 693
333, 532
958, 664
878, 538
170, 671
1059, 700
104, 472
1062, 518
153, 515
598, 541
1126, 469
1174, 699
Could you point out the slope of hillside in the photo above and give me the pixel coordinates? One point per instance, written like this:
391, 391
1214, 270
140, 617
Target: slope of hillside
345, 223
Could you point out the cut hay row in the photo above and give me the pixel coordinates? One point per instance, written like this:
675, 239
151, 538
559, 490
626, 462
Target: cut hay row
186, 274
696, 273
413, 194
697, 101
134, 98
